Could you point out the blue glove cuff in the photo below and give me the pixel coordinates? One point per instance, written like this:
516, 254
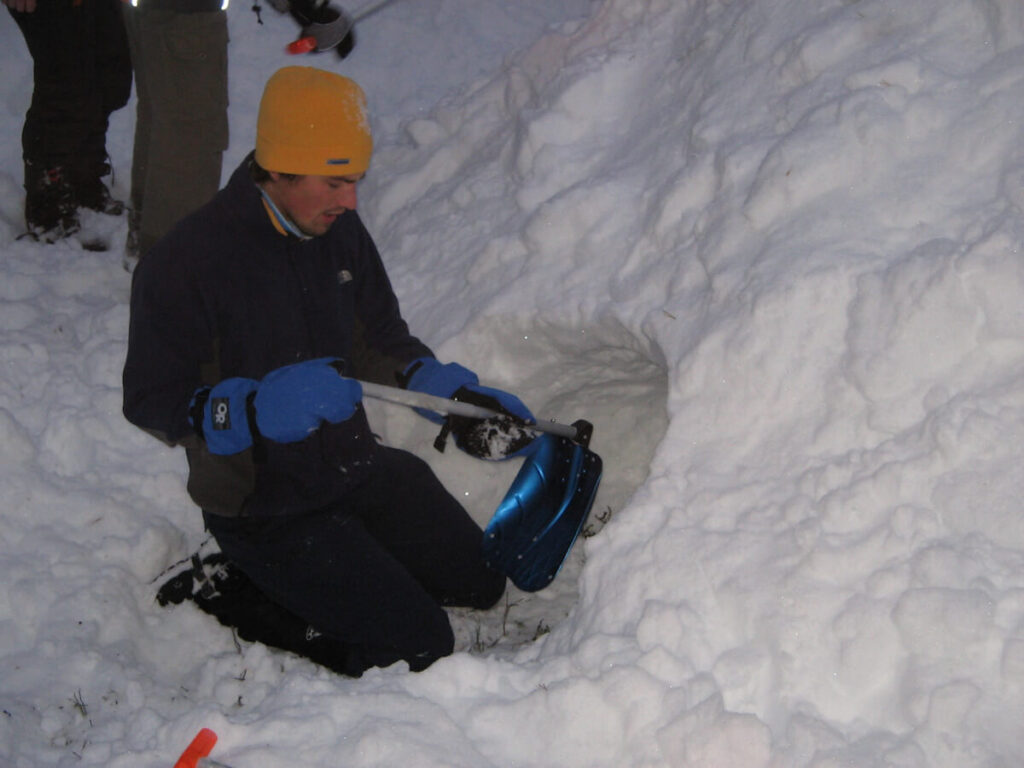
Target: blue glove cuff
225, 422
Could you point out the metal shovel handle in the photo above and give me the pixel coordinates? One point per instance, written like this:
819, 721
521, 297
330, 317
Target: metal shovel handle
457, 408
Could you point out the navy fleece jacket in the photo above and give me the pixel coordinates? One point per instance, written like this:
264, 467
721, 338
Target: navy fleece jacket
226, 294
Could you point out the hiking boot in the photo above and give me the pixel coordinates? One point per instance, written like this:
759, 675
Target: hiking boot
50, 210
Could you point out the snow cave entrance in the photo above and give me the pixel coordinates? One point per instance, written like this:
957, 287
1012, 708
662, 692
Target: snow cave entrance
604, 374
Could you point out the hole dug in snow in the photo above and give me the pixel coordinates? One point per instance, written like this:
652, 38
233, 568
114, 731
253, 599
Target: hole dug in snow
605, 375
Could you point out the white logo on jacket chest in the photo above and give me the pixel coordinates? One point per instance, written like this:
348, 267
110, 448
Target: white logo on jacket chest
344, 277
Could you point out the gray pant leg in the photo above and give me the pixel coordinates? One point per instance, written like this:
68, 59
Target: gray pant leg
181, 130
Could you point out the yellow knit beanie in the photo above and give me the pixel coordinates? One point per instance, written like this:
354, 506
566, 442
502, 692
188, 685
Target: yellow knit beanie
313, 122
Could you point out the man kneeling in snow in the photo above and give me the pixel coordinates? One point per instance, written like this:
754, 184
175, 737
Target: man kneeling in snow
242, 319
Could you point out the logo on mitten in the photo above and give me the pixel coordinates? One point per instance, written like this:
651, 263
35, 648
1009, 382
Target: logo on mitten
220, 412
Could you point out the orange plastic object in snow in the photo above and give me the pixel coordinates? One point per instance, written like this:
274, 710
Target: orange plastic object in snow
200, 747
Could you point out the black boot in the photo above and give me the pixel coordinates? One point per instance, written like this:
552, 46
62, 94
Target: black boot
50, 210
92, 193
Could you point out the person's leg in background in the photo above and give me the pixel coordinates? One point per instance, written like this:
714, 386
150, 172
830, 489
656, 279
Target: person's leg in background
65, 125
181, 131
113, 70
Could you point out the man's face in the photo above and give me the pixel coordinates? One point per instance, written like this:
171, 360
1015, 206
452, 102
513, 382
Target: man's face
313, 202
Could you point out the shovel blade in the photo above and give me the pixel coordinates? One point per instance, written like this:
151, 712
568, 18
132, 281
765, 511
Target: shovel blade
537, 522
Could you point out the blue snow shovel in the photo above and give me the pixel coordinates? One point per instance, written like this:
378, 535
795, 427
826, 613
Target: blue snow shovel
536, 524
543, 512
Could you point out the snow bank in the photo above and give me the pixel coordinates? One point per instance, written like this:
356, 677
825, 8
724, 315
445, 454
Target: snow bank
770, 249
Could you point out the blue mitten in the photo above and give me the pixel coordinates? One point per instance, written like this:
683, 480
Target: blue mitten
429, 376
495, 438
295, 400
219, 415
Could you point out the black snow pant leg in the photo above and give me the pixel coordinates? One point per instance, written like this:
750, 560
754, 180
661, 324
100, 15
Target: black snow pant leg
81, 73
114, 82
374, 570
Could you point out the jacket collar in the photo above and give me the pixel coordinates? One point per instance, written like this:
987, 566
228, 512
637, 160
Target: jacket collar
246, 201
281, 223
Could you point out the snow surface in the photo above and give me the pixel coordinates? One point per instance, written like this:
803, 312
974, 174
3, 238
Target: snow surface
770, 249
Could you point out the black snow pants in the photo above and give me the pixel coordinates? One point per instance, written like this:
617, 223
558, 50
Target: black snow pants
82, 73
372, 571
